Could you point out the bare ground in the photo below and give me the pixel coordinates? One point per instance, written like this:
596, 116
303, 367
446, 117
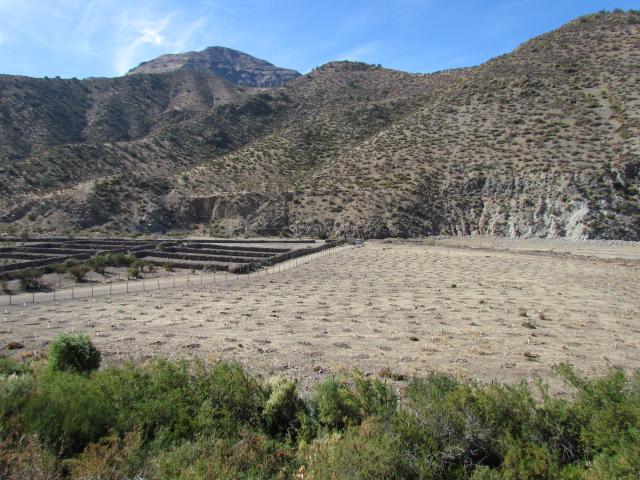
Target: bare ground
472, 309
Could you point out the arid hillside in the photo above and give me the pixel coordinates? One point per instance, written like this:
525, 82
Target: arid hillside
541, 142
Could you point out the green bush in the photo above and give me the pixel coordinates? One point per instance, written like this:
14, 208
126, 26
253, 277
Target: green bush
133, 273
8, 366
365, 452
284, 410
73, 353
98, 263
30, 279
67, 411
79, 271
14, 391
175, 401
251, 457
189, 420
348, 401
120, 259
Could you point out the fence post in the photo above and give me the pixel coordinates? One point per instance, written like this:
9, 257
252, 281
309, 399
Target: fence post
110, 285
214, 277
201, 273
33, 297
127, 286
158, 278
54, 295
91, 291
144, 288
73, 294
10, 299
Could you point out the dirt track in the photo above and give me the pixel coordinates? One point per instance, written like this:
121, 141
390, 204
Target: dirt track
486, 314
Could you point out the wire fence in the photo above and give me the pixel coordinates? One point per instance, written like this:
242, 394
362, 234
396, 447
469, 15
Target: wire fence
160, 283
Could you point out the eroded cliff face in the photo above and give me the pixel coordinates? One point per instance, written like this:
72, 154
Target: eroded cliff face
532, 206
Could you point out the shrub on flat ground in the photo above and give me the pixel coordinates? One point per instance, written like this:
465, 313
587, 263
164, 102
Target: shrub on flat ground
30, 279
73, 353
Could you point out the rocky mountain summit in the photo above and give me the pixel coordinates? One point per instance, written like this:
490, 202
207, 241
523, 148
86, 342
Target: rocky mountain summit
231, 65
540, 142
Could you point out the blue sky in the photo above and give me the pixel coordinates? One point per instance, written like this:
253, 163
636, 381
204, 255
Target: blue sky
74, 38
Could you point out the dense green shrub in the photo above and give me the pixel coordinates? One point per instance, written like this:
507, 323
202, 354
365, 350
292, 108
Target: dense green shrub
30, 279
251, 457
73, 353
67, 411
189, 420
284, 411
77, 269
98, 263
112, 457
348, 401
367, 452
9, 366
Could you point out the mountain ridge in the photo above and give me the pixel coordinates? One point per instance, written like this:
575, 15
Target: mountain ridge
232, 65
541, 142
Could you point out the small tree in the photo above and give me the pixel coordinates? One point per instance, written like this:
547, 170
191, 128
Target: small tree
73, 353
133, 272
79, 271
99, 264
30, 280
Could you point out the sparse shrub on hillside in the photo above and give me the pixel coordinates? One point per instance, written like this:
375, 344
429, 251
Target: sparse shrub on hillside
73, 353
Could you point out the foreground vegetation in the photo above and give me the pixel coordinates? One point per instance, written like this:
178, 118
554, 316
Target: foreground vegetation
181, 420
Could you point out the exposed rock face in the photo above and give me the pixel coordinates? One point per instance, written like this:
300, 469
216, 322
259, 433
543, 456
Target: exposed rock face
232, 65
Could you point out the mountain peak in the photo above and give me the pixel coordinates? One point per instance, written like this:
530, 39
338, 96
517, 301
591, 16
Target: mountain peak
232, 65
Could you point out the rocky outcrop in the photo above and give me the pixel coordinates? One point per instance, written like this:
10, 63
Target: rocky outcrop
232, 65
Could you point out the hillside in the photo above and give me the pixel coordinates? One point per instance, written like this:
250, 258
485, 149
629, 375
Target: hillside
544, 141
41, 112
232, 65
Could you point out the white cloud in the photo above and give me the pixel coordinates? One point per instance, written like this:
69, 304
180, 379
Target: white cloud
140, 39
135, 37
108, 37
360, 52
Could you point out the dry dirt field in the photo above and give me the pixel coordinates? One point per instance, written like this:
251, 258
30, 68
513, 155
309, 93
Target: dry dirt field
484, 311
